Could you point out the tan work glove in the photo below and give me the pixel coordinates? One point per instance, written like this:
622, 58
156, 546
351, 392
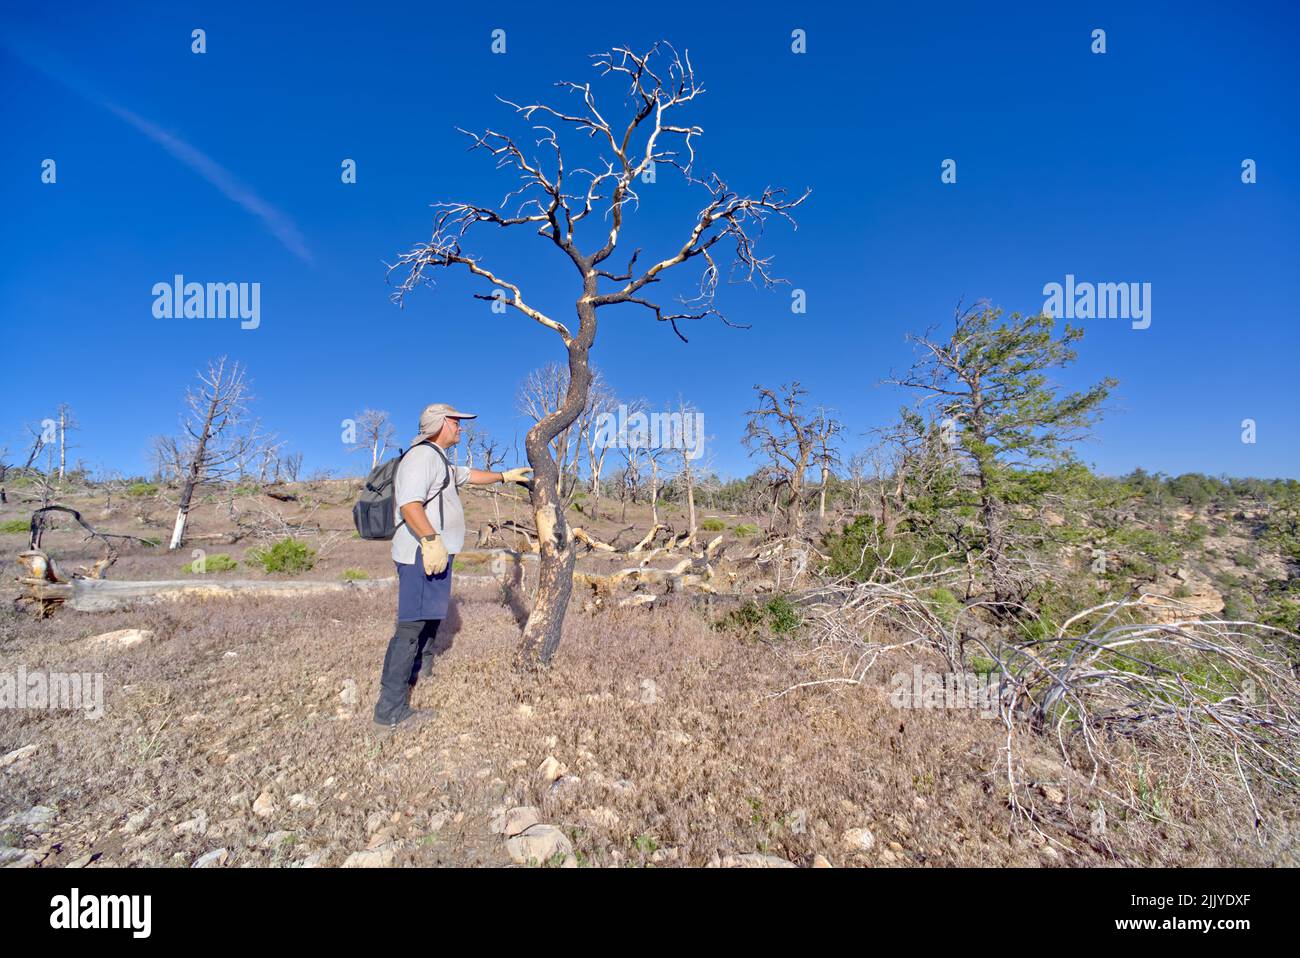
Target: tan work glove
516, 475
434, 554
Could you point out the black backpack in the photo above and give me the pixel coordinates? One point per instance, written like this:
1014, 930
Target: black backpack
375, 514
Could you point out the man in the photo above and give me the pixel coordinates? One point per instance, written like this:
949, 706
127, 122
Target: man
430, 531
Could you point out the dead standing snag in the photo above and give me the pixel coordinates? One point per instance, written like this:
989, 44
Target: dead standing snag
546, 202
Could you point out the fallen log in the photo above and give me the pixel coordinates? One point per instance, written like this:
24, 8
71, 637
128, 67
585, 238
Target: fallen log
591, 542
649, 538
102, 595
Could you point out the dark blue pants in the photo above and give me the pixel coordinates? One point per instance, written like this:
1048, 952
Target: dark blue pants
402, 661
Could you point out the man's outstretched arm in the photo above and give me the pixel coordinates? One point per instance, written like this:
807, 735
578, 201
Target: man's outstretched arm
484, 477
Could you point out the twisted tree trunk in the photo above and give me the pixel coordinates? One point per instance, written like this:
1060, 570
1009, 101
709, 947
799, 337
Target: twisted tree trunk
557, 547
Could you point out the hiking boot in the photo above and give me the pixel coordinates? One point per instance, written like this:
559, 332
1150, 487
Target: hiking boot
413, 718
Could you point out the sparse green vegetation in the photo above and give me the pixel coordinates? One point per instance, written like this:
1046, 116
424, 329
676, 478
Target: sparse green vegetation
355, 574
713, 525
15, 526
288, 555
744, 529
777, 616
141, 490
221, 562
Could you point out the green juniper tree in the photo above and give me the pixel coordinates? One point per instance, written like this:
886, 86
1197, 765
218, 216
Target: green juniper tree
1002, 420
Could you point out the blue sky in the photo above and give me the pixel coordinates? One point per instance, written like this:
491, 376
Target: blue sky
1122, 167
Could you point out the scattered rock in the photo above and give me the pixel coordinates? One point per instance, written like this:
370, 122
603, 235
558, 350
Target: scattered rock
1052, 794
264, 806
515, 820
525, 710
276, 839
564, 783
750, 860
438, 819
859, 839
24, 859
137, 821
349, 694
570, 861
213, 859
538, 843
33, 818
381, 857
676, 737
301, 801
821, 861
198, 825
314, 860
17, 755
119, 639
551, 769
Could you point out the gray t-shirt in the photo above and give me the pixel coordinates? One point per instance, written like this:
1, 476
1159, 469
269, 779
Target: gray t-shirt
418, 478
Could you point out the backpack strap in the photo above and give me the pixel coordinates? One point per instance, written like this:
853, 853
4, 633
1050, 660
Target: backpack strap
446, 481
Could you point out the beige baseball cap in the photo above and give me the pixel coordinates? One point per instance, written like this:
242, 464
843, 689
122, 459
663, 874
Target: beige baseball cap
432, 417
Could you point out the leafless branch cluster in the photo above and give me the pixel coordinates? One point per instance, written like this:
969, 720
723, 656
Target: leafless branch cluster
1223, 694
546, 199
791, 439
1114, 685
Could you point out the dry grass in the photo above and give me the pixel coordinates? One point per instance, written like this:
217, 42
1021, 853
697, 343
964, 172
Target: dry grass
680, 750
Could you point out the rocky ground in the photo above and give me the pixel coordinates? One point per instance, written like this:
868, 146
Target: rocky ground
237, 733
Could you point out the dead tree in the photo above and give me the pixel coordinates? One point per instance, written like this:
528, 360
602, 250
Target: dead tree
38, 443
217, 437
374, 434
542, 393
601, 403
67, 422
655, 91
825, 432
859, 463
484, 452
291, 466
631, 444
689, 445
167, 459
780, 429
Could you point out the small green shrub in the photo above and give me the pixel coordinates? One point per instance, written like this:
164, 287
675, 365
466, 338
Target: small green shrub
713, 525
354, 574
946, 606
141, 490
14, 526
214, 563
744, 529
778, 615
782, 615
288, 555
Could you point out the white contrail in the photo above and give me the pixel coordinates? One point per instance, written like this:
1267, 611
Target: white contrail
281, 227
277, 222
